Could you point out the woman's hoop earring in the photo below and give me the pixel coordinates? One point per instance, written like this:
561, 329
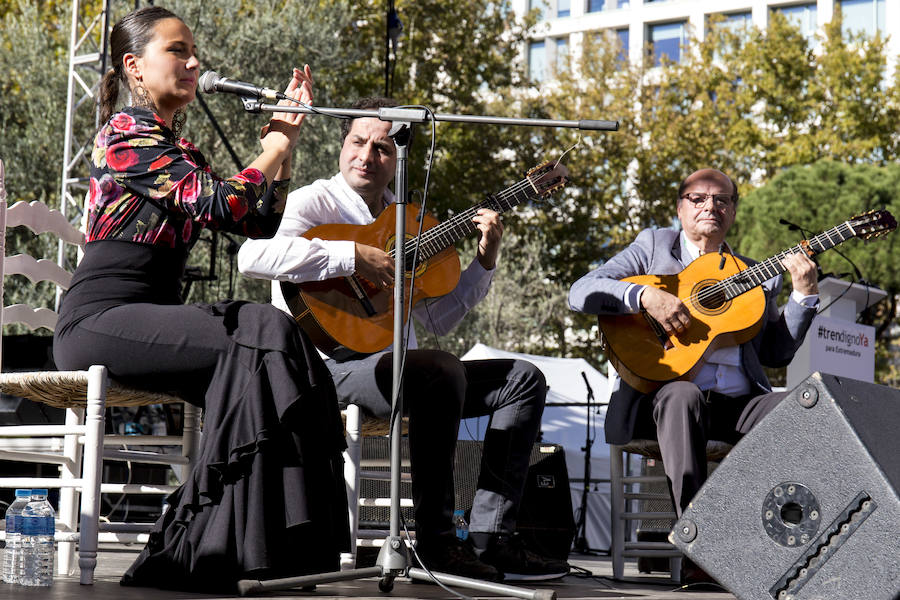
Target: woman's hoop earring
140, 97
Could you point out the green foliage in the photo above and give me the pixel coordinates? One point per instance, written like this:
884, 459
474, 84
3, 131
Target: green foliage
818, 197
522, 310
752, 103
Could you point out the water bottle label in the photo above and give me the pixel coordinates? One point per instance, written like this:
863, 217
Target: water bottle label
37, 526
48, 526
30, 525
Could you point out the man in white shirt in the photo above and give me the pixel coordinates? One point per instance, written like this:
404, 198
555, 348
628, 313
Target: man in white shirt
731, 392
439, 389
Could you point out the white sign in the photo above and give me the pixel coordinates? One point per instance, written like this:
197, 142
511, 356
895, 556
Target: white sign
842, 348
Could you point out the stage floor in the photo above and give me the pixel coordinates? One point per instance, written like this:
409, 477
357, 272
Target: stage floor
114, 560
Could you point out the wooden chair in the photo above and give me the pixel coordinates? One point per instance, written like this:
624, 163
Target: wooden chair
356, 427
623, 495
79, 446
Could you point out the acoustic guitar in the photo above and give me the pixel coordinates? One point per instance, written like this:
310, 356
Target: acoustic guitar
346, 316
726, 302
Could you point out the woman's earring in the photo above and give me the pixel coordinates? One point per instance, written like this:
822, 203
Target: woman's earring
178, 120
140, 97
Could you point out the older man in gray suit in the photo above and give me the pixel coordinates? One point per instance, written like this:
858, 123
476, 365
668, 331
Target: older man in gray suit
731, 392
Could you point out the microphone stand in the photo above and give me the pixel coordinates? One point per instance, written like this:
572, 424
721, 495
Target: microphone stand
393, 558
581, 527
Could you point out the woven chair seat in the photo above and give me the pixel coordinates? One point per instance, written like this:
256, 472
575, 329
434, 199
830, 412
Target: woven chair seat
715, 450
374, 426
68, 389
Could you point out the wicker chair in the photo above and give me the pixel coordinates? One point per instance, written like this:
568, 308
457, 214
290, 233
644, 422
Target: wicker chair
80, 445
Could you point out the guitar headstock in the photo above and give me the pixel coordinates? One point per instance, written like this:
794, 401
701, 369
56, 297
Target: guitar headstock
872, 224
547, 177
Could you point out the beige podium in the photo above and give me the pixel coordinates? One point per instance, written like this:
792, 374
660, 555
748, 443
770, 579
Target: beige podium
835, 342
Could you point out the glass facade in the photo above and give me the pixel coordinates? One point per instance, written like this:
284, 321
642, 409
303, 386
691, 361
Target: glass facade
865, 16
537, 61
737, 21
563, 8
803, 16
541, 6
562, 55
622, 35
666, 39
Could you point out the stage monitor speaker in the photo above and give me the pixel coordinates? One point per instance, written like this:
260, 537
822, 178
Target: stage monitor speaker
545, 514
805, 506
545, 521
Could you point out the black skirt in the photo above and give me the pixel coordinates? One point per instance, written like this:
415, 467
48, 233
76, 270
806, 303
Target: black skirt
266, 496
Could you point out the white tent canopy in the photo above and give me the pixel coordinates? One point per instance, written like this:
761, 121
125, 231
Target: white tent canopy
568, 426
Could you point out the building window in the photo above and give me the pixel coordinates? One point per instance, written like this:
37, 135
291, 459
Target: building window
666, 39
563, 8
622, 36
737, 22
541, 6
595, 5
866, 16
562, 55
537, 61
802, 16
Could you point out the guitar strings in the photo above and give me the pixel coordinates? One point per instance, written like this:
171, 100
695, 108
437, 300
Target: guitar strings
461, 221
773, 263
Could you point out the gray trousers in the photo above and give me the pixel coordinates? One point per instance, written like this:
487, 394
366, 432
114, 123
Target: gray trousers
439, 390
683, 418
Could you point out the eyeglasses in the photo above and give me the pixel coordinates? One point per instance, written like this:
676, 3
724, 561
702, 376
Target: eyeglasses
698, 199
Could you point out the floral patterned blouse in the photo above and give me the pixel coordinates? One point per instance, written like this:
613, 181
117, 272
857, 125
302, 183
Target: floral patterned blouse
148, 187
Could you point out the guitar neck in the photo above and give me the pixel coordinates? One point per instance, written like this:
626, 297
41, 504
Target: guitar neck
753, 276
449, 232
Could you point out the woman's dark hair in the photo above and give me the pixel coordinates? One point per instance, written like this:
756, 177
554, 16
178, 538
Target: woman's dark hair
130, 35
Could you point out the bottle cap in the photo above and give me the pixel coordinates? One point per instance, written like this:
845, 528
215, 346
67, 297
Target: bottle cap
39, 492
23, 493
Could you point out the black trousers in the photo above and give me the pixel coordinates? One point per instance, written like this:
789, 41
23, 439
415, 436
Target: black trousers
438, 390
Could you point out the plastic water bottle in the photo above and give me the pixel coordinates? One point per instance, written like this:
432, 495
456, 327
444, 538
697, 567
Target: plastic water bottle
12, 556
459, 521
38, 525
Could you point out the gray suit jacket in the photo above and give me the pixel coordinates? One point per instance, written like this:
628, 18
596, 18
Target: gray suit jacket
659, 252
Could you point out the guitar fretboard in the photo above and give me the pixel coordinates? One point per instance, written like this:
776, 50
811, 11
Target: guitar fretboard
446, 234
763, 271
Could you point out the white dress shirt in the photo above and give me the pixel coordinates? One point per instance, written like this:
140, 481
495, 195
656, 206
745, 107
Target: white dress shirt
289, 257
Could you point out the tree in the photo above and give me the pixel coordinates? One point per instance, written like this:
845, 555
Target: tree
751, 103
818, 197
522, 310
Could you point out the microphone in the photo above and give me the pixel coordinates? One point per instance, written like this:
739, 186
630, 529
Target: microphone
211, 82
722, 254
793, 227
590, 391
805, 233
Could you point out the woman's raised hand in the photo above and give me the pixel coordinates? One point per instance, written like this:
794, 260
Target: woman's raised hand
286, 125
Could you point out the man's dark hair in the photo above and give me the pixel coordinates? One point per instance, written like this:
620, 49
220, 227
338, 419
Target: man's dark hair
734, 187
366, 103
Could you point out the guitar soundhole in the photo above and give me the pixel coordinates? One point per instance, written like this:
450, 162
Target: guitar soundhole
709, 299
